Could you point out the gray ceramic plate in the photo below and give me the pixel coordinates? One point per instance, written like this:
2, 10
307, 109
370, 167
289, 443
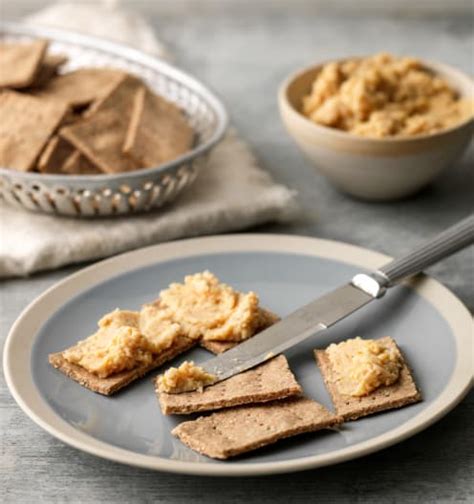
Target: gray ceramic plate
432, 327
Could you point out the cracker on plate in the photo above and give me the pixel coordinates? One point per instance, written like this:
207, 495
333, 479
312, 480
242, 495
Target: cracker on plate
157, 131
99, 137
48, 69
26, 125
401, 393
54, 155
234, 431
19, 63
267, 382
112, 384
77, 164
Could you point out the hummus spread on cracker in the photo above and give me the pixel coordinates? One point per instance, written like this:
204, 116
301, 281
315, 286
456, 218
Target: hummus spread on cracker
361, 366
210, 310
185, 378
384, 96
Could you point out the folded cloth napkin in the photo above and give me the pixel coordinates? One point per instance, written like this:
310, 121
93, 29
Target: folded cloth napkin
231, 192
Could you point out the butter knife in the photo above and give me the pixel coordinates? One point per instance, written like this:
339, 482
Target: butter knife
338, 304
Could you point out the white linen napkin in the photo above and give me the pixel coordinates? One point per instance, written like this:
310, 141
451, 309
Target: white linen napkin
231, 192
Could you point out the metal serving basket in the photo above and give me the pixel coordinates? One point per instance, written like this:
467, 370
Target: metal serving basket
122, 193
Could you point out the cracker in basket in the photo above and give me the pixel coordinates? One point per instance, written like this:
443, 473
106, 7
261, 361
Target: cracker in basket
157, 131
216, 347
77, 164
99, 137
80, 87
114, 383
267, 382
48, 69
397, 395
54, 155
26, 125
234, 431
19, 63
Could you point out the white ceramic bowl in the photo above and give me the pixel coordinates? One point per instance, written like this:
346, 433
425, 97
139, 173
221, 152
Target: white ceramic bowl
375, 169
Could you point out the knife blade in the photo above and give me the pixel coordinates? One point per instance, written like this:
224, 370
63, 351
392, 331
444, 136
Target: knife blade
302, 323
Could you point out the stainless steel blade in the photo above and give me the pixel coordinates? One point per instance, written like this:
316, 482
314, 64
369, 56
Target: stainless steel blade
304, 322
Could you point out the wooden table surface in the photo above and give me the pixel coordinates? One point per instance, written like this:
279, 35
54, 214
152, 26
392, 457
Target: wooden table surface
245, 54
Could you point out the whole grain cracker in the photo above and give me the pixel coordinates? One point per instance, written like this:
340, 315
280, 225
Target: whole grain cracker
99, 137
80, 88
397, 395
26, 125
157, 131
234, 431
112, 384
267, 382
19, 63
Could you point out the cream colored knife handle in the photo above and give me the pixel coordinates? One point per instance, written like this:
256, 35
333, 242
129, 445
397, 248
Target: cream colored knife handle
448, 242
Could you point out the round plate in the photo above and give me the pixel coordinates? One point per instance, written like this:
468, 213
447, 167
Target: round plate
429, 323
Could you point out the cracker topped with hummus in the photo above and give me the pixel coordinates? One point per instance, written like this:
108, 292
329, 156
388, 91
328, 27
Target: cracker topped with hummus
128, 344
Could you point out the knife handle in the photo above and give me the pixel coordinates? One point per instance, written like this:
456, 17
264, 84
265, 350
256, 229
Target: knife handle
443, 245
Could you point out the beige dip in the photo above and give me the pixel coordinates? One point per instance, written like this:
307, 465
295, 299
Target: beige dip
362, 366
200, 308
185, 378
384, 96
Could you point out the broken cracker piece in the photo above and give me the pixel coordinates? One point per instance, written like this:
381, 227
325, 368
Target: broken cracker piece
401, 393
157, 131
19, 63
270, 381
27, 124
48, 69
234, 431
77, 164
113, 383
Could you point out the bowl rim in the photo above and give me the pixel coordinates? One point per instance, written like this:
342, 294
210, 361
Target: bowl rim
127, 52
455, 74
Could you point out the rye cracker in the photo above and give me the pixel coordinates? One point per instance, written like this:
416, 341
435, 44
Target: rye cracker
99, 137
27, 124
157, 131
397, 395
234, 431
217, 347
54, 155
270, 381
19, 63
80, 87
112, 384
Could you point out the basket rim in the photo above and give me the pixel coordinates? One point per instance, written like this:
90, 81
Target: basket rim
137, 56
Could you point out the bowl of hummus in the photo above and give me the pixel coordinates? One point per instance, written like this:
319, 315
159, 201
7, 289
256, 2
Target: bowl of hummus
379, 127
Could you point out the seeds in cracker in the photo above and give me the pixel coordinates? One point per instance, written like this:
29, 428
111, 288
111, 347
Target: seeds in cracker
396, 395
234, 431
54, 155
26, 126
115, 382
99, 137
267, 382
19, 63
157, 132
80, 87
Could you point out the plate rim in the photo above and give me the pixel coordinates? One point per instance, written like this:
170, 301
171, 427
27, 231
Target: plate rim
25, 393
